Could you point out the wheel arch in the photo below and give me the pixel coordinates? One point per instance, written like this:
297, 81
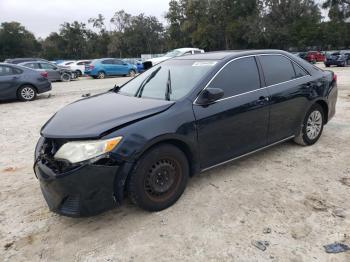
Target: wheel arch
26, 84
184, 146
128, 167
325, 108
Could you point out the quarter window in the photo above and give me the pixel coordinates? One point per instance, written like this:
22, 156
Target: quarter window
239, 76
277, 69
299, 72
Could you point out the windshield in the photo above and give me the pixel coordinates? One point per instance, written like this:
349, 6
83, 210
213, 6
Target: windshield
173, 53
170, 80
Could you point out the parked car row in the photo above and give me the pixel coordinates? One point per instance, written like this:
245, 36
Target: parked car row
337, 58
24, 78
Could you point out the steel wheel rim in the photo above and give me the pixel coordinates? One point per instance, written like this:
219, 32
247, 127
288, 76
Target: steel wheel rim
162, 179
65, 77
314, 125
27, 93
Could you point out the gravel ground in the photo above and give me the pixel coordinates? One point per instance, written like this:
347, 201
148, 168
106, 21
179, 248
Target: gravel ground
296, 198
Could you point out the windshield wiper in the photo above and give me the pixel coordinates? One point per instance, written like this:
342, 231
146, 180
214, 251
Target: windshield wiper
168, 91
145, 82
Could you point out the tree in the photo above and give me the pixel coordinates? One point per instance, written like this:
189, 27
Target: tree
339, 10
16, 41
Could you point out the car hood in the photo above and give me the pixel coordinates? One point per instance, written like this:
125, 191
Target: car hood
96, 116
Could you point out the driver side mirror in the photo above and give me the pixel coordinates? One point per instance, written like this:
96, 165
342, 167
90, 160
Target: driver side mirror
209, 96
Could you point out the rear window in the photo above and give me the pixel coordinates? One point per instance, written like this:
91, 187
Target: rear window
277, 69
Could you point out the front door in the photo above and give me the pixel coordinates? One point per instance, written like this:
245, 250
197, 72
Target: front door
237, 123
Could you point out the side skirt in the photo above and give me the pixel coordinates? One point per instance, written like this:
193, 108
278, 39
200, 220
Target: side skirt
247, 154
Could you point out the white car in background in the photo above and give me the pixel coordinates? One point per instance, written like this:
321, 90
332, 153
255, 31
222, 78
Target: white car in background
174, 53
79, 66
66, 63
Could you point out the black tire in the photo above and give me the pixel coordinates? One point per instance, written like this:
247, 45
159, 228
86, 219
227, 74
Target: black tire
101, 75
26, 93
327, 65
159, 178
305, 138
79, 73
131, 73
66, 77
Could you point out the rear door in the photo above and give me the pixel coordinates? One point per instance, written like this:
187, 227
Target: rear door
289, 86
237, 123
108, 66
52, 71
9, 81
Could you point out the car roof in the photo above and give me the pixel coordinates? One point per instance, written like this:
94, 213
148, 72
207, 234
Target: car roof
229, 54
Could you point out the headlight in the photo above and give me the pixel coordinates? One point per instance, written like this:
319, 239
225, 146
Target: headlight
78, 151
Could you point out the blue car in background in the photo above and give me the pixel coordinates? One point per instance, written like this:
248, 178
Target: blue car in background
100, 68
137, 63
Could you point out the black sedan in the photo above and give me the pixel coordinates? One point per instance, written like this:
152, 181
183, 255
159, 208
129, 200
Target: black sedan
181, 117
17, 82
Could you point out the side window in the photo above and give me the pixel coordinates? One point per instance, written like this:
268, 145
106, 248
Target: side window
299, 72
118, 62
32, 65
197, 52
108, 62
5, 71
277, 69
47, 66
80, 63
239, 76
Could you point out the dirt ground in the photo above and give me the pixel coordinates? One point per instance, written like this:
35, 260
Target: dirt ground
300, 194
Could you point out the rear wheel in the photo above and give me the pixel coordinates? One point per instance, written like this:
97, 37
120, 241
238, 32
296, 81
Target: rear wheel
101, 75
159, 178
312, 127
26, 93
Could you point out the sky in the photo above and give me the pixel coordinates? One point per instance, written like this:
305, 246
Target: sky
42, 17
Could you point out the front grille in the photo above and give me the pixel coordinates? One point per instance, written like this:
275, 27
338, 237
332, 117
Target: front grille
71, 205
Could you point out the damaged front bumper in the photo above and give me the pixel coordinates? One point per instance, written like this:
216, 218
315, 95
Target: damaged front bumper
82, 190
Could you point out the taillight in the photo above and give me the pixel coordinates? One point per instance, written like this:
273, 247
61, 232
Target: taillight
44, 74
335, 77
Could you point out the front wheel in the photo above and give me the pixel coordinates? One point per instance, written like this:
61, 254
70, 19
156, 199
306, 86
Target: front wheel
312, 127
159, 178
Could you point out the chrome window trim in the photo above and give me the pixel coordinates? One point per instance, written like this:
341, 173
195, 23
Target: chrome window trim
261, 88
